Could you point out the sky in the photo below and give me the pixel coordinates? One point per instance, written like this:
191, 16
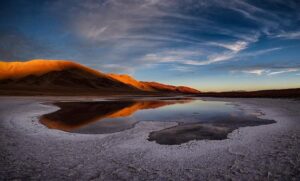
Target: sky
211, 45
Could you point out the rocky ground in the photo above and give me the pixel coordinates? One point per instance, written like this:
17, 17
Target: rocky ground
29, 150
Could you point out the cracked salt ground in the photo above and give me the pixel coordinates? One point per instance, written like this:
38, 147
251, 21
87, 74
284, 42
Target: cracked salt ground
29, 150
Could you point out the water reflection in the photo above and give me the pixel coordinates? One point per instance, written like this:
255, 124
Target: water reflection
213, 129
100, 117
196, 119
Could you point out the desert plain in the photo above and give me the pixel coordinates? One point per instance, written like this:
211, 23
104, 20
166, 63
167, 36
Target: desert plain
31, 151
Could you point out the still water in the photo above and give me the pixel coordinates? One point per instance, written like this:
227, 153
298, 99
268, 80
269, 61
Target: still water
197, 119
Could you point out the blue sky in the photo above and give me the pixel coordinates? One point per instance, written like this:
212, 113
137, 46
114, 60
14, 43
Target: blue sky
211, 45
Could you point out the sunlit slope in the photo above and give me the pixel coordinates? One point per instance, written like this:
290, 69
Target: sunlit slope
131, 81
48, 75
64, 76
14, 70
170, 88
153, 86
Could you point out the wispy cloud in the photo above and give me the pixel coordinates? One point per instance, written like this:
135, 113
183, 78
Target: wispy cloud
284, 71
130, 35
289, 35
261, 52
179, 56
182, 68
255, 71
191, 57
267, 71
211, 59
235, 47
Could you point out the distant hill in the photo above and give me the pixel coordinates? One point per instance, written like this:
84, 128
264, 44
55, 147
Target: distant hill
57, 77
132, 82
276, 93
166, 88
154, 86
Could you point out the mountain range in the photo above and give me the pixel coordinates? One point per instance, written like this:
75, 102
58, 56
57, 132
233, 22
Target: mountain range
57, 77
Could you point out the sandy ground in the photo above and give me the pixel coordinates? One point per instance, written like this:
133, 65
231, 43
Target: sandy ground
31, 151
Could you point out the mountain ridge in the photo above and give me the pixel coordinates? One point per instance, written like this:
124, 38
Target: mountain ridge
47, 76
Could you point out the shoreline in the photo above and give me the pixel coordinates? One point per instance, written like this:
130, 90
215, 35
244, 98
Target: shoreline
30, 149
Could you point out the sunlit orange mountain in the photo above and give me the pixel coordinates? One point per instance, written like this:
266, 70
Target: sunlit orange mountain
166, 88
131, 81
66, 77
153, 86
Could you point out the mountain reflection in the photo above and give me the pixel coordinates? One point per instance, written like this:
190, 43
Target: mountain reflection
73, 116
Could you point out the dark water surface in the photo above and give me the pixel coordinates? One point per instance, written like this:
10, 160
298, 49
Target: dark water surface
197, 119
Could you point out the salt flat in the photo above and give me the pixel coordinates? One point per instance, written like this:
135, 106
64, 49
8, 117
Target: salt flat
29, 150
